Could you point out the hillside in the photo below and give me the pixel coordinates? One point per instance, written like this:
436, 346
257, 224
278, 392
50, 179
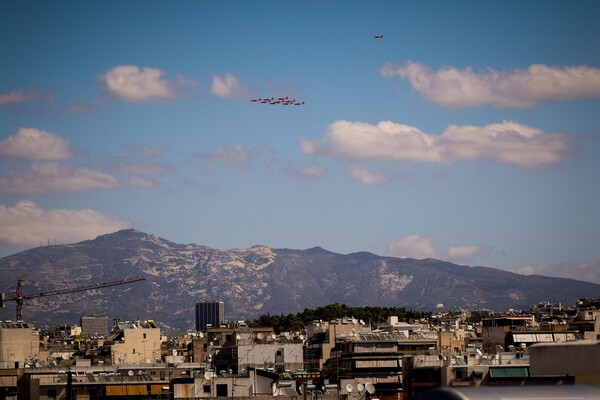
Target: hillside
253, 281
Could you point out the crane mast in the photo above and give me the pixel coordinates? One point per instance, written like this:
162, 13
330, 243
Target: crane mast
19, 297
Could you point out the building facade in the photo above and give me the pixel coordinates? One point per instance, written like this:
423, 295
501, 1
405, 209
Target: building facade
94, 326
209, 314
19, 342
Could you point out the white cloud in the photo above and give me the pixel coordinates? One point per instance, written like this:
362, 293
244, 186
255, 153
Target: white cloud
420, 247
16, 97
135, 84
365, 176
305, 172
140, 160
467, 254
414, 246
308, 147
454, 88
51, 177
587, 272
229, 86
26, 224
507, 142
35, 144
236, 155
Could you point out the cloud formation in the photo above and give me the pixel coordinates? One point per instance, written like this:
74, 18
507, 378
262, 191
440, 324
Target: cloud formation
228, 86
455, 88
221, 154
413, 246
16, 97
135, 84
307, 172
507, 142
366, 176
35, 144
26, 224
587, 272
140, 160
420, 247
53, 177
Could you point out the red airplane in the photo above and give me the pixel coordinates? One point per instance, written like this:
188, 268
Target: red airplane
378, 36
259, 99
299, 104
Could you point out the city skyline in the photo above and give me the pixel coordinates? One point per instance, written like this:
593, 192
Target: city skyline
466, 132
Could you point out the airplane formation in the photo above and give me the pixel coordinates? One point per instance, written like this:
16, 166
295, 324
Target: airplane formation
285, 101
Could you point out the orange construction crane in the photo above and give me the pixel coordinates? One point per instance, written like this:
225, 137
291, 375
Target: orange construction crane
19, 296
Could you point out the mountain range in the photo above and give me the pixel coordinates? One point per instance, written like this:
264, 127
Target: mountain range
251, 282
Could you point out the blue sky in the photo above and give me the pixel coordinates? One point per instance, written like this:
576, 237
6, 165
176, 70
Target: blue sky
468, 133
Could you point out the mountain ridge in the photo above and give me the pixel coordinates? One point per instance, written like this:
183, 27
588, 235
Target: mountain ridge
254, 281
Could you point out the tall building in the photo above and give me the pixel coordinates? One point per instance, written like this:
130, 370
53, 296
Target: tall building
209, 313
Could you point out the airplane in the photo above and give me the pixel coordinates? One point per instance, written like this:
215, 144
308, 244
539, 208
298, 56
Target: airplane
378, 36
286, 101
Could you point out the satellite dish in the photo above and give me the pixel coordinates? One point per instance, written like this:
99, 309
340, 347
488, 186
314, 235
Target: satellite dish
200, 334
301, 337
360, 387
370, 388
130, 373
260, 336
238, 337
174, 352
207, 375
273, 336
349, 388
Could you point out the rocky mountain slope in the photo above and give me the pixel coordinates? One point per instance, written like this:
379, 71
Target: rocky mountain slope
251, 282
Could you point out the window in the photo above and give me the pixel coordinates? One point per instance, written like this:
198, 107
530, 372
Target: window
144, 336
206, 388
221, 390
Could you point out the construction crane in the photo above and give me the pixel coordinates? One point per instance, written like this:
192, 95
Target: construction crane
19, 296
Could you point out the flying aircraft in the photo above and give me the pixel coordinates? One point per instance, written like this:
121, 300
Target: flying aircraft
378, 36
286, 101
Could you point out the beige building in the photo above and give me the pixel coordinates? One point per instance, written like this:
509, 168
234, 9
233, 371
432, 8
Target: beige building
135, 343
19, 343
322, 335
580, 359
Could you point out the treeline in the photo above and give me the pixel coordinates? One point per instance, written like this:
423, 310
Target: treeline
372, 315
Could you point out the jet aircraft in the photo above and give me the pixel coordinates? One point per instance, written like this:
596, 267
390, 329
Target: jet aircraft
286, 101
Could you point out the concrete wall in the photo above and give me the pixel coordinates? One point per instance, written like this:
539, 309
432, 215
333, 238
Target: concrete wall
265, 356
18, 345
580, 359
139, 346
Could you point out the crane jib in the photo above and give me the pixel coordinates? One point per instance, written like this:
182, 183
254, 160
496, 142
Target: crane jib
19, 296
